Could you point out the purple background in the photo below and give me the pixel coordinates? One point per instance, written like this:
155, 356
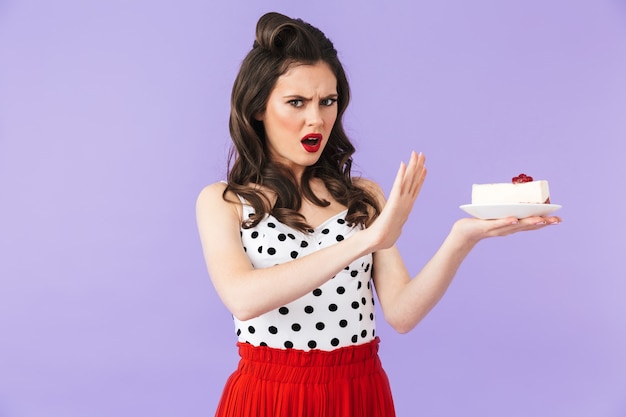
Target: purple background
113, 116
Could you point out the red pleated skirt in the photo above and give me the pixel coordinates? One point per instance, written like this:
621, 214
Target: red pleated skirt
269, 382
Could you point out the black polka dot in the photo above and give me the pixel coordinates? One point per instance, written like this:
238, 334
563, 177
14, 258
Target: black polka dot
238, 332
245, 249
354, 273
272, 225
341, 221
367, 267
283, 310
355, 305
339, 238
363, 301
288, 344
254, 235
355, 338
332, 307
374, 333
358, 286
282, 237
296, 327
260, 249
373, 302
291, 236
341, 290
251, 329
343, 323
325, 231
312, 344
304, 244
334, 342
360, 317
308, 309
364, 333
368, 285
371, 316
271, 251
272, 329
347, 268
320, 326
294, 254
317, 292
263, 344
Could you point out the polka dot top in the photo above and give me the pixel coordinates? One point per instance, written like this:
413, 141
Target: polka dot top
339, 313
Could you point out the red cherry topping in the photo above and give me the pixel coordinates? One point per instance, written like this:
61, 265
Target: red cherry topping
522, 178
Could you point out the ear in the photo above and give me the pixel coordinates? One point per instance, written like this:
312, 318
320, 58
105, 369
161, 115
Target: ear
259, 116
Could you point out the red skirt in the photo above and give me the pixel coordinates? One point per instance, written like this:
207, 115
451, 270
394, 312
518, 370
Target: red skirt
269, 382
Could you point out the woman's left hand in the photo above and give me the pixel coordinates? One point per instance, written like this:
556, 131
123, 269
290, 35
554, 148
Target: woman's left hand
475, 230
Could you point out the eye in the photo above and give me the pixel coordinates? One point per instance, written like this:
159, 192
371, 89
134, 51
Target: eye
328, 102
296, 102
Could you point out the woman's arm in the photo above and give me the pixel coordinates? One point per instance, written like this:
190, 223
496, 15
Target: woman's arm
406, 301
249, 292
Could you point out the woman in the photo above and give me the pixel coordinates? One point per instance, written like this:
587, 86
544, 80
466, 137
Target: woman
293, 243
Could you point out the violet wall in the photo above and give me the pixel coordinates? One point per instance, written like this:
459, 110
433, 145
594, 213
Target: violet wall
113, 116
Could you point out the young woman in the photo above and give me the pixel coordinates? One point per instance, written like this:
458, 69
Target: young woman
293, 243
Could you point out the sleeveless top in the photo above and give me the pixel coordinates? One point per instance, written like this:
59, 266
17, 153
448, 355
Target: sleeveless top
337, 314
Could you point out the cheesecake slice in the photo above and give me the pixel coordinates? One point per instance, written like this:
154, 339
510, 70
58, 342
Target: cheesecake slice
521, 190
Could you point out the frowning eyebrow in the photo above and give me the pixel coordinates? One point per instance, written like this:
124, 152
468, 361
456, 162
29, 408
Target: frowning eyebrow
299, 97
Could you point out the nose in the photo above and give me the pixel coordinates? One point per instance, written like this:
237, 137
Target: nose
314, 116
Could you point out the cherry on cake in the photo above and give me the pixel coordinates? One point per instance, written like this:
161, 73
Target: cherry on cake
521, 190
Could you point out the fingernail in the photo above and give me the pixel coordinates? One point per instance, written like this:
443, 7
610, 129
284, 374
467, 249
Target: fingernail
538, 223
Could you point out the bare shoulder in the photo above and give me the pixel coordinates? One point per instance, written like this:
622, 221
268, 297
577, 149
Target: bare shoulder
211, 200
212, 191
371, 187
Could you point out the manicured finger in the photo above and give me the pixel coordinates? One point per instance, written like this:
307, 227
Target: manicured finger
397, 183
409, 176
416, 166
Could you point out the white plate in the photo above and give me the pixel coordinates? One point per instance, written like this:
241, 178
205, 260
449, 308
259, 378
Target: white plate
498, 211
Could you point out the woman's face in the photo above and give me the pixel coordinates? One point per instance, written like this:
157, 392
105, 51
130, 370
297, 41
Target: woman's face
300, 113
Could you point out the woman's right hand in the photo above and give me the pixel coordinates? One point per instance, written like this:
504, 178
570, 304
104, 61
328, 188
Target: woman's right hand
386, 229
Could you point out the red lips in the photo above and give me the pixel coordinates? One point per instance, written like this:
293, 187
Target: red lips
312, 142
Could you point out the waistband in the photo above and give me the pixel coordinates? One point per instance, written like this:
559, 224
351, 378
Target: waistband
313, 366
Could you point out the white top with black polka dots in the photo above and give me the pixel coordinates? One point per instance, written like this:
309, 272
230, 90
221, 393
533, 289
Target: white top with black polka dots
339, 313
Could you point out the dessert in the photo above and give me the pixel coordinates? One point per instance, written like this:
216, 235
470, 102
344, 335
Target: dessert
521, 190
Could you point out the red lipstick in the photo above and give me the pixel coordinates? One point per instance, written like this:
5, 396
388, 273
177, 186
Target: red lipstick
312, 142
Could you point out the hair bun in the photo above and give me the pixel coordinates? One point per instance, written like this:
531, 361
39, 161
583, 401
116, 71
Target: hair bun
280, 34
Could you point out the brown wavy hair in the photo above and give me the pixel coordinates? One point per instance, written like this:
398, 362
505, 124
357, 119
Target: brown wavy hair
280, 43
